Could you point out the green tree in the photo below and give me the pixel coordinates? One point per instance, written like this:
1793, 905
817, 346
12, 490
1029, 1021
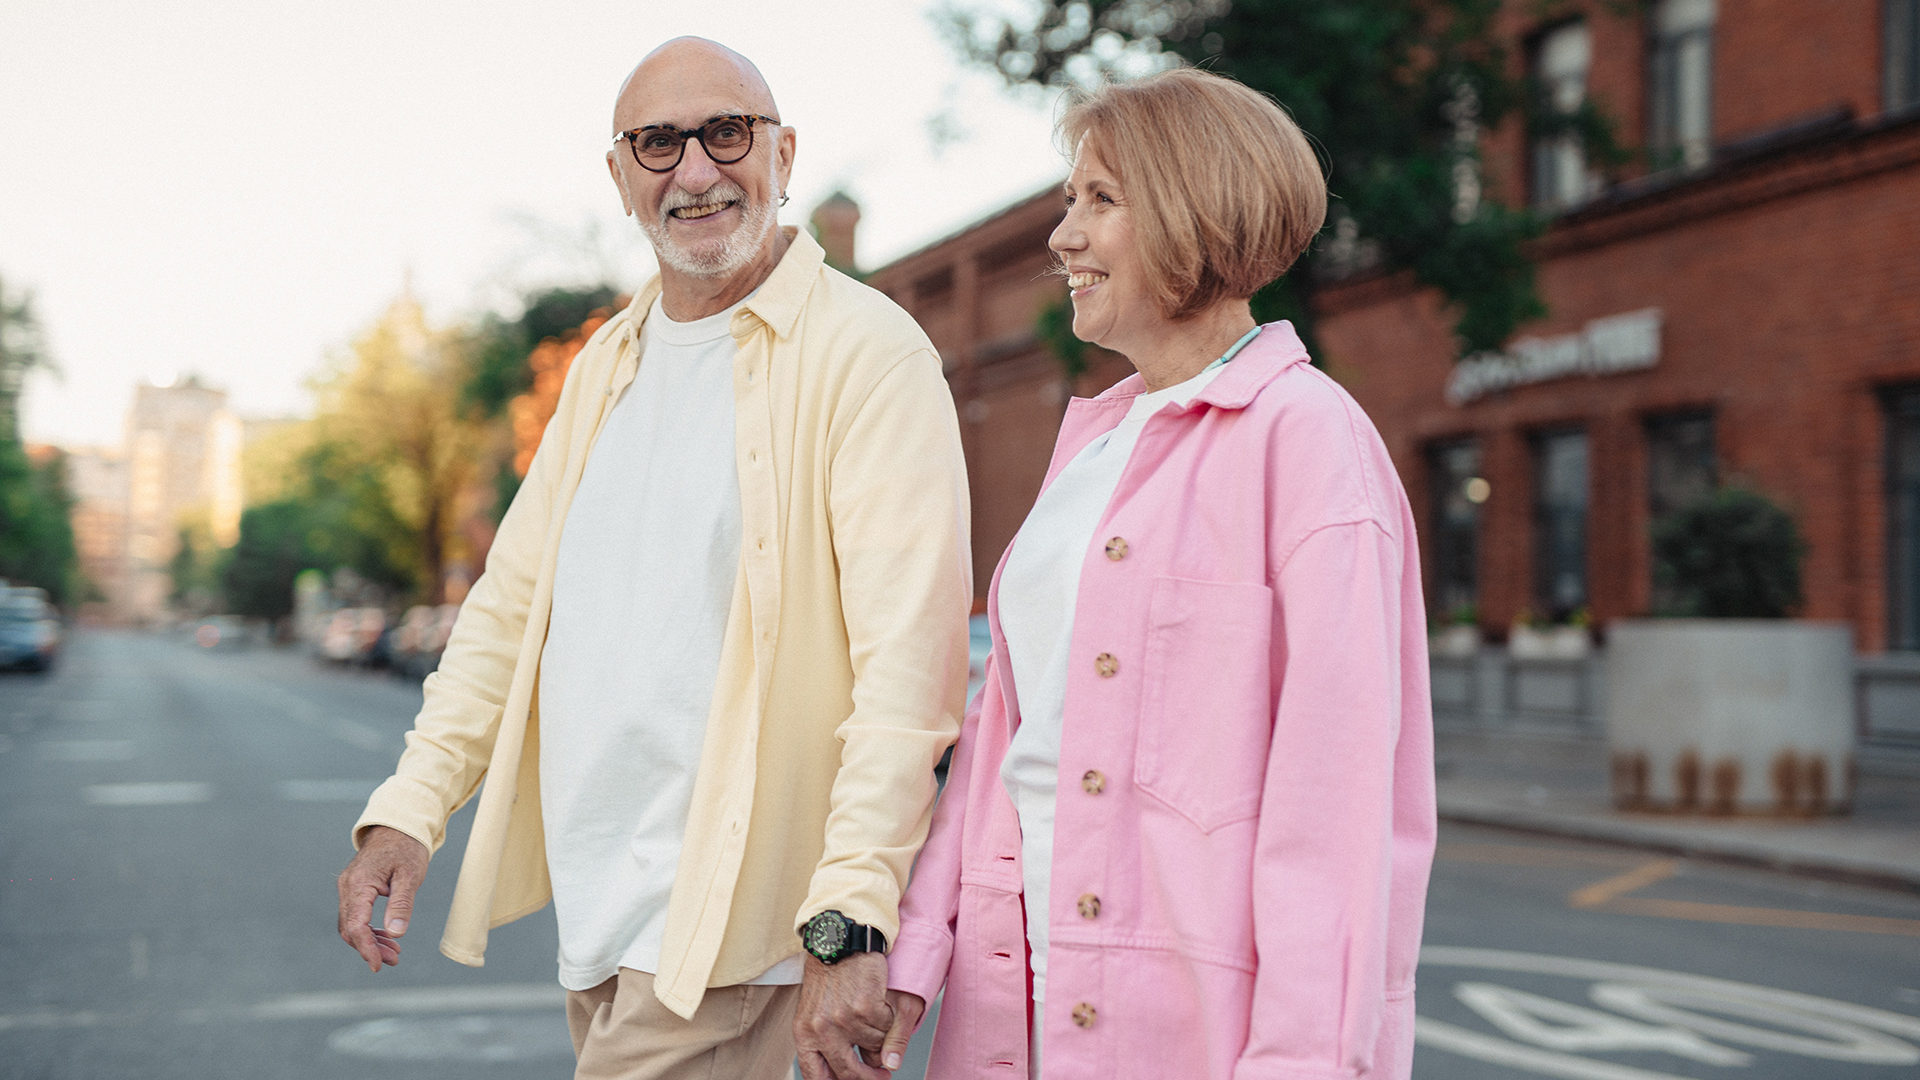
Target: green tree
1736, 555
36, 536
498, 371
1395, 93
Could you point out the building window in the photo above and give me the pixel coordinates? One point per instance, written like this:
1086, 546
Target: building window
1682, 90
1456, 491
1561, 59
1902, 38
1681, 472
1560, 523
1903, 518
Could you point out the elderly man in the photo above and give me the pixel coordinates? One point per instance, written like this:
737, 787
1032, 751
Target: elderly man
720, 642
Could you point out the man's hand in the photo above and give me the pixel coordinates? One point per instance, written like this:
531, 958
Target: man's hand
843, 1010
391, 864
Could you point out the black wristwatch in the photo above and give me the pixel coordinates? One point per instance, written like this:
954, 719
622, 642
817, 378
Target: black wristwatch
831, 937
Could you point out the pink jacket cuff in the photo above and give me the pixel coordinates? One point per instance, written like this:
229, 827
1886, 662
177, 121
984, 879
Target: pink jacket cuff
918, 961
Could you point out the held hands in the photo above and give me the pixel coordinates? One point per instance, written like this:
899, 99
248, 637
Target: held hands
847, 1018
391, 864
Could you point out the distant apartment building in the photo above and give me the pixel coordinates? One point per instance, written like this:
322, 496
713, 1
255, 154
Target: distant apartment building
182, 457
97, 481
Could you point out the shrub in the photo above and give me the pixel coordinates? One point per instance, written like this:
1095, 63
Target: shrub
1736, 555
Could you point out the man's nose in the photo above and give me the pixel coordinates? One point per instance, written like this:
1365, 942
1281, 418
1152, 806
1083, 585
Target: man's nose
697, 172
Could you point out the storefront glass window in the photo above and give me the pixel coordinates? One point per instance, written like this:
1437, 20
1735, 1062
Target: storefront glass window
1561, 179
1902, 37
1681, 472
1560, 523
1455, 492
1682, 74
1903, 518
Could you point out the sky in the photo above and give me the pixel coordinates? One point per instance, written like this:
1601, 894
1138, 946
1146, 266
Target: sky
236, 190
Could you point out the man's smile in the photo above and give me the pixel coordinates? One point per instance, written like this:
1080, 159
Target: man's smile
694, 213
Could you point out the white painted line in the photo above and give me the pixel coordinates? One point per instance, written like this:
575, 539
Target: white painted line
347, 791
345, 1004
46, 1021
498, 1038
507, 997
1496, 1051
88, 750
167, 793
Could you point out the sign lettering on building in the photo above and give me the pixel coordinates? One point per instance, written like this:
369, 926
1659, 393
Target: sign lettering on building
1606, 346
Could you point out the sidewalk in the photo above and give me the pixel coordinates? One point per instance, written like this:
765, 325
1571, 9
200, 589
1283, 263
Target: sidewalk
1558, 785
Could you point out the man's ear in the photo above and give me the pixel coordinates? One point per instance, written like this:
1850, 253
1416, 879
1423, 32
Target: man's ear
619, 182
783, 156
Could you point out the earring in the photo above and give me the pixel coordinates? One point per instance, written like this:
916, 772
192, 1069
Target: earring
783, 198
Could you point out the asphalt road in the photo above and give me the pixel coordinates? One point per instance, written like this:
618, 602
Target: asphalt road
171, 821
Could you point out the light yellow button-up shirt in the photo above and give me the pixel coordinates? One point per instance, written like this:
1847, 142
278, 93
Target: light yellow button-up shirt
844, 667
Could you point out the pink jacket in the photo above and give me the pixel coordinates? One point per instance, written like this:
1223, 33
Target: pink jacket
1245, 820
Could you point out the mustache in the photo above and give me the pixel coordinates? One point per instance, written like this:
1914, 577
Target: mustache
723, 191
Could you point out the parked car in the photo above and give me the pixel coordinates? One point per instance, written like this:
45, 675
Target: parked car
221, 632
29, 630
421, 638
352, 634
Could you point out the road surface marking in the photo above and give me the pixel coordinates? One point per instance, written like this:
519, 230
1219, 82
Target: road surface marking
1753, 916
47, 1021
88, 750
505, 997
499, 1038
1496, 1051
351, 791
1611, 896
1800, 1024
335, 1005
1639, 877
171, 793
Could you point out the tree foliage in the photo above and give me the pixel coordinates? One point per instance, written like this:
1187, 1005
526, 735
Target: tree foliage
1395, 93
36, 537
1736, 555
499, 370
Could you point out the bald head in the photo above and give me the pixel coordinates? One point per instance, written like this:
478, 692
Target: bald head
687, 80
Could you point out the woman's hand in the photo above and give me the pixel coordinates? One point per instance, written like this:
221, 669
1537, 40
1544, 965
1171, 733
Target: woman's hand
907, 1011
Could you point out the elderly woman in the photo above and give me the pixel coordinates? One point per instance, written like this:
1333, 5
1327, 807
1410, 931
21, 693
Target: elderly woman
1188, 825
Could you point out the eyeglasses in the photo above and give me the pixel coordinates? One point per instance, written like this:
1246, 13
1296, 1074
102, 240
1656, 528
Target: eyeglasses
727, 139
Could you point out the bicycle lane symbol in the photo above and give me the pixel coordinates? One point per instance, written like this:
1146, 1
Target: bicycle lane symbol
1715, 1022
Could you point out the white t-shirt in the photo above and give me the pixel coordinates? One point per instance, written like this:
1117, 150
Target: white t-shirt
1037, 595
1038, 591
641, 591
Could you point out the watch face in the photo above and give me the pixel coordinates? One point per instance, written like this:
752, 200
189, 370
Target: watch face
826, 936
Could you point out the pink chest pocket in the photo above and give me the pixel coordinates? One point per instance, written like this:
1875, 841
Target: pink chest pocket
1205, 707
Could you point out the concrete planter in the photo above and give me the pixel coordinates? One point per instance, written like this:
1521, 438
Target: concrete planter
1458, 642
1731, 715
1549, 642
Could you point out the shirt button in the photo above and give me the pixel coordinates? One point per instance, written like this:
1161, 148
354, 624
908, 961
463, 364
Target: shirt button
1107, 665
1094, 782
1084, 1015
761, 544
1089, 906
1117, 548
753, 455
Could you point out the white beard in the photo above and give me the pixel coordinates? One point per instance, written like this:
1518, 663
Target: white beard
713, 258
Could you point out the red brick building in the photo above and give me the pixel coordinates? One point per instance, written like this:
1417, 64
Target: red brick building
1742, 306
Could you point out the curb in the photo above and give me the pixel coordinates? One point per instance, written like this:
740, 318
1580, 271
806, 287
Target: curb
1833, 867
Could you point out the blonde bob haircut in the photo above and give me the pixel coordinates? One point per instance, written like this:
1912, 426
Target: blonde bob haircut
1223, 189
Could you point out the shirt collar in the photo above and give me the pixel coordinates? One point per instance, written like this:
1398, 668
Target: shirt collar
1255, 364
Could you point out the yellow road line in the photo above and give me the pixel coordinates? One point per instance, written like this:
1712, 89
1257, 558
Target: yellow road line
1639, 877
1752, 916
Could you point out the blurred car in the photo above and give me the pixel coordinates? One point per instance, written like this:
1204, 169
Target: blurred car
352, 634
29, 630
221, 632
421, 638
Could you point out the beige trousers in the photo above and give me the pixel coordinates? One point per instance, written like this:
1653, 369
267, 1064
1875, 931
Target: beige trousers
622, 1032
